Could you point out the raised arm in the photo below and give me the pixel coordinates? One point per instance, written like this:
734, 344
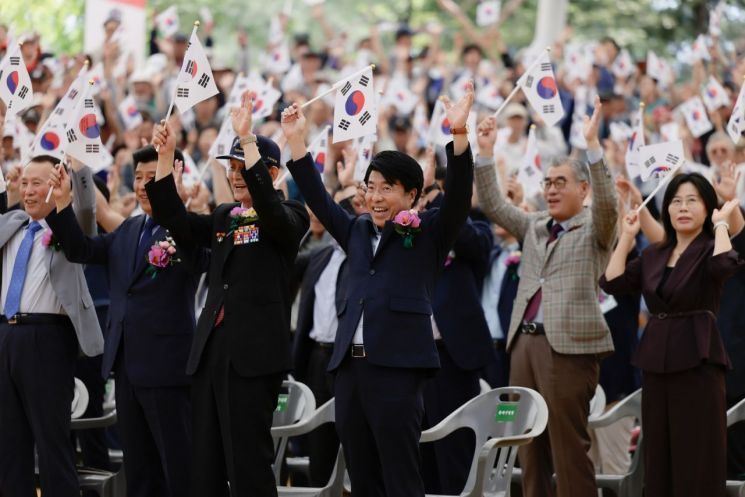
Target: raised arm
604, 201
334, 218
84, 197
459, 176
649, 225
77, 246
491, 201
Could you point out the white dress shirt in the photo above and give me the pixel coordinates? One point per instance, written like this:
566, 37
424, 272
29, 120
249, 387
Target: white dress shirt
38, 296
358, 339
325, 320
492, 289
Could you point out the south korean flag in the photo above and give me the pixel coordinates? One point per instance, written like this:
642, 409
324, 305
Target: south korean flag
195, 81
83, 135
541, 90
355, 109
15, 83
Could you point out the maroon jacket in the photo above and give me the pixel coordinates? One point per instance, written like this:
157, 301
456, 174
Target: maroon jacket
682, 331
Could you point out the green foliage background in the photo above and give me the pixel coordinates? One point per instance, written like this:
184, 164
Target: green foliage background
636, 24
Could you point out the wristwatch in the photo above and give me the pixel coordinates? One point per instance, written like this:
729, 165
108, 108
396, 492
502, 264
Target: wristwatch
459, 131
248, 139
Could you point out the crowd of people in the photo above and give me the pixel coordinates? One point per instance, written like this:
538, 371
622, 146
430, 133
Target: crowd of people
395, 281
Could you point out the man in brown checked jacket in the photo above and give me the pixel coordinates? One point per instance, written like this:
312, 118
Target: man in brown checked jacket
557, 333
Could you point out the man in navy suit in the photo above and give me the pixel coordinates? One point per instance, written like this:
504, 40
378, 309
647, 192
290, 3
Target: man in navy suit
384, 346
464, 347
150, 327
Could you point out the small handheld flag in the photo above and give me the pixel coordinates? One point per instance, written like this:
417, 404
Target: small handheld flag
530, 173
15, 83
319, 148
83, 136
195, 81
636, 141
355, 108
167, 22
714, 95
736, 123
129, 113
660, 159
696, 118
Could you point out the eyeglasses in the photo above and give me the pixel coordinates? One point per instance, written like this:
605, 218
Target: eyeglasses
679, 202
560, 183
372, 189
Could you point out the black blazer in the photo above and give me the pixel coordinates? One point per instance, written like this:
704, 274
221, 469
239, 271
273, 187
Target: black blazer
318, 259
154, 316
682, 331
457, 299
394, 287
251, 280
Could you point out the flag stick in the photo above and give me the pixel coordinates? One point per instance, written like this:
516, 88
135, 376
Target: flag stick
517, 85
175, 87
49, 193
336, 85
659, 186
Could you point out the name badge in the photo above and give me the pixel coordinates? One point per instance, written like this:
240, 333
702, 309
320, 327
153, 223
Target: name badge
246, 234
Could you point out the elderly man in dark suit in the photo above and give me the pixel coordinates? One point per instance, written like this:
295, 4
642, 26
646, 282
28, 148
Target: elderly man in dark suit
150, 326
241, 350
384, 345
47, 318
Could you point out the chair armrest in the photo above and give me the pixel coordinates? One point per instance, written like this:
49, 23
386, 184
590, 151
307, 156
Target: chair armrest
630, 406
324, 414
736, 413
440, 430
107, 419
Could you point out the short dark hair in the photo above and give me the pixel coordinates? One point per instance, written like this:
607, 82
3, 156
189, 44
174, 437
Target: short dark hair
707, 193
45, 158
612, 41
395, 167
472, 47
148, 154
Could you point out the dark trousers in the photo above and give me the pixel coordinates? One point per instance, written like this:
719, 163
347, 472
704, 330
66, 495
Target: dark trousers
684, 424
497, 373
379, 413
155, 430
323, 443
93, 446
567, 382
446, 462
232, 427
37, 364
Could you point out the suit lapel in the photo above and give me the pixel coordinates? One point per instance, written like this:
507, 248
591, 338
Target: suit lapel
387, 232
575, 223
687, 260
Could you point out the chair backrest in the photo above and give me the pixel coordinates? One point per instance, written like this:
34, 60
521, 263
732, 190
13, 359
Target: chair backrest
79, 400
598, 402
499, 413
296, 403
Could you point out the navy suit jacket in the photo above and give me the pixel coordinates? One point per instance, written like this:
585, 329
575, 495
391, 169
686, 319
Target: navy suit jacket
394, 286
318, 259
153, 316
457, 299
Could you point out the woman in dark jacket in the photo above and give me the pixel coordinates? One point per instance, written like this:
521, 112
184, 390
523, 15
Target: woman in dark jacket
681, 353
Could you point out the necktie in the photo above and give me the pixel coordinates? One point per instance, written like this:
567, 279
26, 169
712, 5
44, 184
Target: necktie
535, 301
147, 231
18, 277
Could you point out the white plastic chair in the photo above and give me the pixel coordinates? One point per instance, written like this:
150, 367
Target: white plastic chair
736, 414
296, 404
631, 483
501, 419
80, 399
334, 487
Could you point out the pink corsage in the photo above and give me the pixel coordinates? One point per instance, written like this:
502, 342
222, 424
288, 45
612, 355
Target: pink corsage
240, 216
407, 225
161, 255
513, 263
48, 240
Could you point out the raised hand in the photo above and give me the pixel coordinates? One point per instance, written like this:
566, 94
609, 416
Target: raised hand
726, 184
457, 113
628, 189
515, 191
178, 178
59, 182
345, 170
242, 117
293, 123
591, 126
724, 212
631, 223
164, 139
486, 136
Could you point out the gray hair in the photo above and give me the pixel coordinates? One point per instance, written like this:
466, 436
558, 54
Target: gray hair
581, 171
